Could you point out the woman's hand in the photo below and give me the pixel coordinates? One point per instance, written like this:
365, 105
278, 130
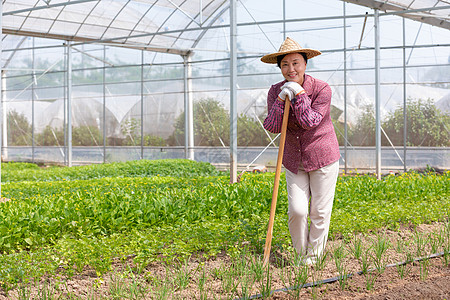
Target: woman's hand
294, 87
285, 92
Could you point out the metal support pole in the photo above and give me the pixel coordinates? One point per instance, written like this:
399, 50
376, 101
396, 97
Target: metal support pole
191, 108
65, 108
5, 118
405, 131
377, 94
284, 20
104, 104
142, 104
186, 112
69, 104
345, 91
188, 109
33, 78
233, 91
1, 96
201, 13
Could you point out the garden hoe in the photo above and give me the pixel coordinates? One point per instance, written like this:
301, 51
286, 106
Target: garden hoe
276, 184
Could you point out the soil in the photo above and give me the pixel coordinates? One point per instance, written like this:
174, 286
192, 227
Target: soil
423, 279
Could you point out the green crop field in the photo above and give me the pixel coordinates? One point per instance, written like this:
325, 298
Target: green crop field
62, 220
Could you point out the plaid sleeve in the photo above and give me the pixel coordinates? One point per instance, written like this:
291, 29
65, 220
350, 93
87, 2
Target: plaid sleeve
310, 114
275, 110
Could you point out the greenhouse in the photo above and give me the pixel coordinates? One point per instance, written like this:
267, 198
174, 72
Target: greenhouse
142, 146
88, 81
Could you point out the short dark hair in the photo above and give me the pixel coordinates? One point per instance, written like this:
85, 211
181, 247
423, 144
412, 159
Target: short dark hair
280, 58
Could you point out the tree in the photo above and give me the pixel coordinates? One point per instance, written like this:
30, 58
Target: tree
81, 136
19, 129
87, 136
363, 133
131, 130
251, 133
339, 127
212, 123
153, 140
212, 127
50, 137
426, 125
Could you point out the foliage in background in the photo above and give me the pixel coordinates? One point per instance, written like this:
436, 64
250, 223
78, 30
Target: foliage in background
212, 127
426, 125
251, 133
363, 133
20, 134
81, 136
20, 127
338, 126
87, 136
131, 129
50, 137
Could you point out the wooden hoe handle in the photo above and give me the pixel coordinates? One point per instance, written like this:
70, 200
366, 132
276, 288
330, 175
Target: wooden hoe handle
273, 206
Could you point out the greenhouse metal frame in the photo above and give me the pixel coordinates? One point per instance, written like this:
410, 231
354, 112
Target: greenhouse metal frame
185, 29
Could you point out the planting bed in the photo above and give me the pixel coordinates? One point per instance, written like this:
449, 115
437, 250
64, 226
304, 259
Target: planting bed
178, 230
427, 279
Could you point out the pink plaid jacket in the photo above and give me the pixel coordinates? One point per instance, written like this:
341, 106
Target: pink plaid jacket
310, 136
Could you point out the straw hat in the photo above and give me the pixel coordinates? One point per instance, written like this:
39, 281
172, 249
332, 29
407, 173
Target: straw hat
289, 46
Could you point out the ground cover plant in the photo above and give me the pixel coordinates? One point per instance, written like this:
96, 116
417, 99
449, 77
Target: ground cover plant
63, 222
15, 172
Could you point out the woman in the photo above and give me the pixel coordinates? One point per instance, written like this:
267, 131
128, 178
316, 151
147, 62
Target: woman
311, 153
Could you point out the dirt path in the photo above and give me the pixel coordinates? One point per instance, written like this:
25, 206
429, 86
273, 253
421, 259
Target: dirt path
425, 279
387, 286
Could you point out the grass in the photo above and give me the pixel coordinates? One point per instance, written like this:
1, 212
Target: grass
63, 221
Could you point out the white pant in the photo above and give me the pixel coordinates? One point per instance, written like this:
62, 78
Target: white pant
311, 192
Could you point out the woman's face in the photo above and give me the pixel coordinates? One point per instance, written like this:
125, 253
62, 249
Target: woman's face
293, 67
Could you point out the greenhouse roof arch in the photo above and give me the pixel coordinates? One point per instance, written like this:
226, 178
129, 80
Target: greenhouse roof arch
168, 26
433, 12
